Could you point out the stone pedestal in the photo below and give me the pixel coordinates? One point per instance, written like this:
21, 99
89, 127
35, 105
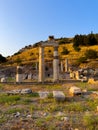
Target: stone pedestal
56, 65
41, 64
19, 74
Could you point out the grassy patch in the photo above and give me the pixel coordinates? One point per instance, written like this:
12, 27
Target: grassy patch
92, 104
75, 106
26, 101
9, 99
91, 122
14, 110
2, 120
53, 87
34, 94
1, 87
82, 85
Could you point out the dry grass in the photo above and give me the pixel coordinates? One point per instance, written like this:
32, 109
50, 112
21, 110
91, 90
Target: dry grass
32, 55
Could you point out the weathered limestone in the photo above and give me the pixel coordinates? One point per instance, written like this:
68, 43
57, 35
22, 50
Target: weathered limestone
19, 75
41, 64
56, 65
61, 66
43, 94
66, 65
74, 91
19, 91
97, 108
58, 95
30, 76
36, 66
92, 81
3, 80
26, 91
77, 75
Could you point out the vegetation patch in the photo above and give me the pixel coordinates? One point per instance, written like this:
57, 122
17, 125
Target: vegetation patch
9, 99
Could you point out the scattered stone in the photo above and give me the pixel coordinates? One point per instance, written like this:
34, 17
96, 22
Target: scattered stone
97, 108
26, 91
66, 119
84, 90
3, 80
95, 92
17, 114
60, 114
45, 114
29, 116
84, 79
58, 95
74, 91
92, 81
43, 94
14, 92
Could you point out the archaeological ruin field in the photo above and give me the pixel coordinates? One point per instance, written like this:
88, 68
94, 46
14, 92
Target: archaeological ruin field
40, 110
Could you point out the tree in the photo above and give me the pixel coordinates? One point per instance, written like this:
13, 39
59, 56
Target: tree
81, 60
91, 54
2, 59
91, 39
76, 41
65, 51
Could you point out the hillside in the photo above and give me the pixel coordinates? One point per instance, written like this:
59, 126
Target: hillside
30, 53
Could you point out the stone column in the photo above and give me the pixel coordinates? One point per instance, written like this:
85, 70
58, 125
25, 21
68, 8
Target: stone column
77, 75
66, 65
19, 74
36, 66
61, 66
56, 65
41, 64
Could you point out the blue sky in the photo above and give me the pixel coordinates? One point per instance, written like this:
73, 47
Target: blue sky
25, 22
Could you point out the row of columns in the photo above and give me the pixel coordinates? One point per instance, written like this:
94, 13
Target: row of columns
64, 65
42, 65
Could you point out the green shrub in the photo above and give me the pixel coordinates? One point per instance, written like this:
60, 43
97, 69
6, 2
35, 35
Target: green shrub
77, 48
91, 54
65, 51
82, 60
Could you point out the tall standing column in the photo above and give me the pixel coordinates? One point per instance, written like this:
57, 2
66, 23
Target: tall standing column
61, 66
19, 74
56, 65
36, 66
41, 64
66, 65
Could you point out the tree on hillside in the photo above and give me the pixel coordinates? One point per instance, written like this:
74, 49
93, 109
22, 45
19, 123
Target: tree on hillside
65, 51
76, 41
91, 54
91, 39
85, 40
2, 59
